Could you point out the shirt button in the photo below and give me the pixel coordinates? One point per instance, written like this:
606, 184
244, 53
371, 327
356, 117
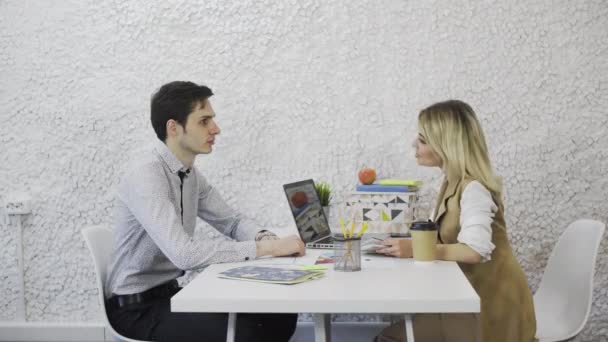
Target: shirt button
246, 258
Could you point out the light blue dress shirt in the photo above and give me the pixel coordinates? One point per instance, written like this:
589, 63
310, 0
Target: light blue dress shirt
151, 245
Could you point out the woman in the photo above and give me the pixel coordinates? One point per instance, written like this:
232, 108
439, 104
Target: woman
472, 232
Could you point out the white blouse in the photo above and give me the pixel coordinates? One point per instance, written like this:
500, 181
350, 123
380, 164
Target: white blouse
476, 216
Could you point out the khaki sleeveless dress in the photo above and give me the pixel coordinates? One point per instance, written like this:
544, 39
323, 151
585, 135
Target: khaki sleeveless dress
507, 309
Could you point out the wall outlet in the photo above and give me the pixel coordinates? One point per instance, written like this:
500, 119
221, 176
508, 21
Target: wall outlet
18, 208
18, 204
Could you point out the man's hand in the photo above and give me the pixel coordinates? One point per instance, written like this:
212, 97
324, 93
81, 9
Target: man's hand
401, 248
290, 245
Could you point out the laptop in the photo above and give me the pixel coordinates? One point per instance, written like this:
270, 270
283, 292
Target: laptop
310, 219
308, 214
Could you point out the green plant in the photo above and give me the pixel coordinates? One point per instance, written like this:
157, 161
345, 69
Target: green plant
324, 191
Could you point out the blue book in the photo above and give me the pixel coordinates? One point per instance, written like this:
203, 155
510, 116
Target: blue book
383, 188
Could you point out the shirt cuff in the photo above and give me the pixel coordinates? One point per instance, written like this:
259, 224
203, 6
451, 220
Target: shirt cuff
249, 250
246, 230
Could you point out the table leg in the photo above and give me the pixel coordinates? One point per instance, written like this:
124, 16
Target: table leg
409, 328
322, 327
231, 327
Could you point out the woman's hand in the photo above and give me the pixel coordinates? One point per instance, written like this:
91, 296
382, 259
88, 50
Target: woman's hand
401, 248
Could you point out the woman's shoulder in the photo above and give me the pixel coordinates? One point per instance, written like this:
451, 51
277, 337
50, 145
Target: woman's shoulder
472, 183
475, 193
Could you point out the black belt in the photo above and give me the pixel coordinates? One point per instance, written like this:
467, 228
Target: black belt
165, 290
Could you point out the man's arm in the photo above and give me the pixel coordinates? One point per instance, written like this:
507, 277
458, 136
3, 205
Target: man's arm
145, 191
213, 209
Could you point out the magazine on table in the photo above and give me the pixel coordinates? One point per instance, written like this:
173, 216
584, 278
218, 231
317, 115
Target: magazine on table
274, 275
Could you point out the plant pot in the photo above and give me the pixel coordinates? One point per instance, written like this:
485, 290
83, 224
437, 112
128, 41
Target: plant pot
326, 211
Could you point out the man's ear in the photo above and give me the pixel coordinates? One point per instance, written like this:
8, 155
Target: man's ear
172, 128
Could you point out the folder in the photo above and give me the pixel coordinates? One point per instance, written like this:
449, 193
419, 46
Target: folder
402, 182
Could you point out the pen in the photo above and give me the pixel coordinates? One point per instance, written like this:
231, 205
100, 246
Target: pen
363, 229
343, 228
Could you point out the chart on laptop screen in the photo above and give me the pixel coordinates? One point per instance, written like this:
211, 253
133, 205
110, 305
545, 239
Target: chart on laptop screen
307, 211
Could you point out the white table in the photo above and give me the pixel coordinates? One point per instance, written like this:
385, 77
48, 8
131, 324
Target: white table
384, 285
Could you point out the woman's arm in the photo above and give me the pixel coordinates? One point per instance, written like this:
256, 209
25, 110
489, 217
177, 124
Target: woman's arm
458, 252
475, 237
477, 209
402, 248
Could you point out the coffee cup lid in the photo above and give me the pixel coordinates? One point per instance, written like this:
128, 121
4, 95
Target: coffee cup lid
423, 225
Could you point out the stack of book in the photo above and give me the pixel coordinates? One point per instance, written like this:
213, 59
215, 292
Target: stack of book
391, 185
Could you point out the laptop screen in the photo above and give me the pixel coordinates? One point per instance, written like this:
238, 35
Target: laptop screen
306, 210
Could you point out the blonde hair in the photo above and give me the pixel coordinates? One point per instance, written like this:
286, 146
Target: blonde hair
451, 129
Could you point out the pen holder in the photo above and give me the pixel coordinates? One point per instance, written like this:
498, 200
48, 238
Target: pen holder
347, 254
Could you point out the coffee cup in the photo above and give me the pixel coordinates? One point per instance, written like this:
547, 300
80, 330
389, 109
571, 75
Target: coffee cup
424, 240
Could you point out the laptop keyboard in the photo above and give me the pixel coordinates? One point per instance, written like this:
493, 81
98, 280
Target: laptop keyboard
327, 242
328, 239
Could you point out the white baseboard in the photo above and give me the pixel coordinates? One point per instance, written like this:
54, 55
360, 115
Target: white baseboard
96, 331
40, 331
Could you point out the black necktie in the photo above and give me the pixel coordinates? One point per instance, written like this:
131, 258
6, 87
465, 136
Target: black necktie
182, 175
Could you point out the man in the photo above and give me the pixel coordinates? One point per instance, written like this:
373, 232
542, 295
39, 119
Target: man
157, 204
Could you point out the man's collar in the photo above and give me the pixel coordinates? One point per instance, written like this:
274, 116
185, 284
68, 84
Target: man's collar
169, 158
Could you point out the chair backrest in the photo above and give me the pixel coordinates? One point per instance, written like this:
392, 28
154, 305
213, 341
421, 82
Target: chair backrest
566, 287
99, 240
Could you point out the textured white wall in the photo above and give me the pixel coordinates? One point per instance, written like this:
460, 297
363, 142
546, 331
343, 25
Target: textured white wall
303, 89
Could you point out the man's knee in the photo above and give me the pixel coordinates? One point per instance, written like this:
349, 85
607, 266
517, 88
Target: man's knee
266, 327
286, 322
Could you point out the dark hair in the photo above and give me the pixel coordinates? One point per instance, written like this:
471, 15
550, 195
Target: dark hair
175, 100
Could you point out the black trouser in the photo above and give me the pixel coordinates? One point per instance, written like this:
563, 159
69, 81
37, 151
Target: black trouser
153, 320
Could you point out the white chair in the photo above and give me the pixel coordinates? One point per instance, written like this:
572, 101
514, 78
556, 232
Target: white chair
563, 299
99, 242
